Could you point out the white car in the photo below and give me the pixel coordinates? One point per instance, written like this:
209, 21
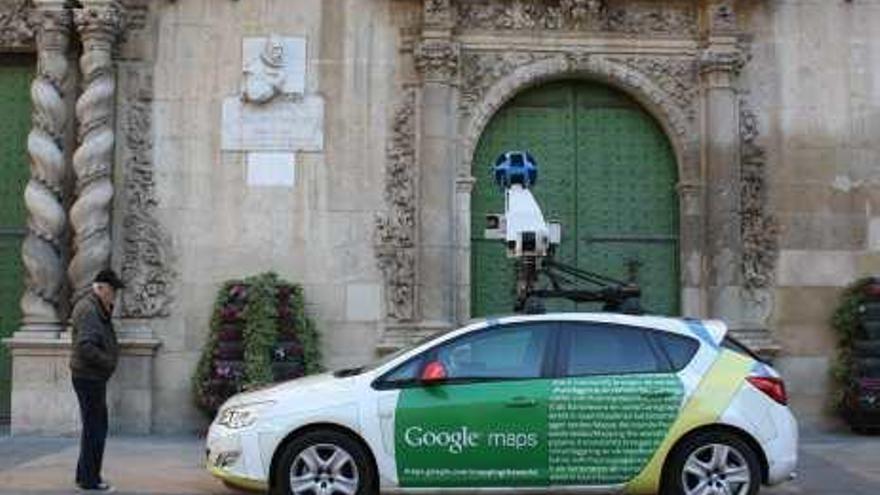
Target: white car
553, 403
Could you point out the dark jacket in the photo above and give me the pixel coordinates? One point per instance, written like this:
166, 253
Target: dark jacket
95, 349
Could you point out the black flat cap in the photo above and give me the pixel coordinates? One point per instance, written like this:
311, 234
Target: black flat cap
108, 276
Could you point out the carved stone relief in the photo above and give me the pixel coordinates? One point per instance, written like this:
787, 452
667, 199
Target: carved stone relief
17, 28
670, 82
146, 247
642, 18
678, 77
396, 229
760, 230
437, 59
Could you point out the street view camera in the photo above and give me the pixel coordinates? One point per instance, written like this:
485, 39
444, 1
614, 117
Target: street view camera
532, 242
522, 226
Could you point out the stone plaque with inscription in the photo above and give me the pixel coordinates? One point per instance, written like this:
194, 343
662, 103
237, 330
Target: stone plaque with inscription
283, 125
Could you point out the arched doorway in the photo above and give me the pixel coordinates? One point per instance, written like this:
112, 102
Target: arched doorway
606, 171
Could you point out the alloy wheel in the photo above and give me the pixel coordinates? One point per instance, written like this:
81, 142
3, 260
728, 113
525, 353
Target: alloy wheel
716, 469
324, 469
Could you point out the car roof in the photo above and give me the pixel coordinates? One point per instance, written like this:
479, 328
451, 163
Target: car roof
709, 331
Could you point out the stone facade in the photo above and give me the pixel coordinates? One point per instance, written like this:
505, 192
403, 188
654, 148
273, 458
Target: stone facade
774, 130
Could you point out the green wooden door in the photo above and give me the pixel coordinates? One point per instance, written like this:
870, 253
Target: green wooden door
605, 170
15, 119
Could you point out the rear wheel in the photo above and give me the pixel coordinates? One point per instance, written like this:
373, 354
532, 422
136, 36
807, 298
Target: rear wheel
712, 463
325, 462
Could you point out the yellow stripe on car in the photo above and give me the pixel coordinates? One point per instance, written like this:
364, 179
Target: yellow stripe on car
246, 484
705, 406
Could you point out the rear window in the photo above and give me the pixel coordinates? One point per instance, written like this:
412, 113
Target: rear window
737, 346
678, 348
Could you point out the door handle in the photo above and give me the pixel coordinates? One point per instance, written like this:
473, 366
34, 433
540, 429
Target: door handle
521, 402
656, 395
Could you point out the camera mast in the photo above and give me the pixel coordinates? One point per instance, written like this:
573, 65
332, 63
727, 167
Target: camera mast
533, 242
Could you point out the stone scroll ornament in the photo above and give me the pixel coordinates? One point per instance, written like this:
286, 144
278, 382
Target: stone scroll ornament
396, 228
47, 221
146, 246
93, 160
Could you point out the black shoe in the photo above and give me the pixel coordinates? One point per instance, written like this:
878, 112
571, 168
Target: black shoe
101, 487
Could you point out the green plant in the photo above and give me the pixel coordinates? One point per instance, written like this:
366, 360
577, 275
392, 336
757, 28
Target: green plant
259, 334
845, 322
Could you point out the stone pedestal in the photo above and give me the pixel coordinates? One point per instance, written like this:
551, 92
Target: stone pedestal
43, 400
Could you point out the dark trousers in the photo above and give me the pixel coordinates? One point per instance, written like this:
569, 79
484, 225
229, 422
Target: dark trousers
92, 396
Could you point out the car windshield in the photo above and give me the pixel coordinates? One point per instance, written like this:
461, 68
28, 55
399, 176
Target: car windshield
390, 357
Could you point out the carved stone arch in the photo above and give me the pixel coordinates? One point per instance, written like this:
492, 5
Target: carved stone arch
676, 114
675, 121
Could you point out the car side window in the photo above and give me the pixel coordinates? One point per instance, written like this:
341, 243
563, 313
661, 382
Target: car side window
678, 348
408, 372
515, 351
510, 352
604, 349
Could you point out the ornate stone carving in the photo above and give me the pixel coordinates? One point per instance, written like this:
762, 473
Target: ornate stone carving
146, 247
437, 59
480, 70
722, 17
438, 12
645, 17
396, 230
729, 59
47, 220
678, 77
17, 28
99, 25
760, 230
264, 76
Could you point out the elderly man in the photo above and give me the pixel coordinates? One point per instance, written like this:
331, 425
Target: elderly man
92, 362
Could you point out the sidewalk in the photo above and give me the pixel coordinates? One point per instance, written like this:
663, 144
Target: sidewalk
831, 464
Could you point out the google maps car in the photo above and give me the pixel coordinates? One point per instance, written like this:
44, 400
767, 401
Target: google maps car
547, 404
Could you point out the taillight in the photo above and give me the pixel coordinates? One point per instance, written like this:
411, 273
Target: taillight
772, 386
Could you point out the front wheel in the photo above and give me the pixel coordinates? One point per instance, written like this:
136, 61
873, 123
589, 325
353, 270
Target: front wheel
325, 462
710, 463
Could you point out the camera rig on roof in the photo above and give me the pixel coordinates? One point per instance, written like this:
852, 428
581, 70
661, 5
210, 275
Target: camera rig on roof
532, 242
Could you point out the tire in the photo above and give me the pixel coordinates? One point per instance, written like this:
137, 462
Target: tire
693, 462
356, 471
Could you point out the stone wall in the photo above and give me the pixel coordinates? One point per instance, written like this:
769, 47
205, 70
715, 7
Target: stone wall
815, 82
318, 232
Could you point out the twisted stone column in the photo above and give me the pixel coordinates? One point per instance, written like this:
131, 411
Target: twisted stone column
41, 251
98, 23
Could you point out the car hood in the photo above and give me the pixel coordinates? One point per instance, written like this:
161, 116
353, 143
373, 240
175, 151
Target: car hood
325, 385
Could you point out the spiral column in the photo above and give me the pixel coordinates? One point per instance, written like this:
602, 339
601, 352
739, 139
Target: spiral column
47, 221
99, 24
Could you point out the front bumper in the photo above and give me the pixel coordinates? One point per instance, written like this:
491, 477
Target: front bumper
234, 457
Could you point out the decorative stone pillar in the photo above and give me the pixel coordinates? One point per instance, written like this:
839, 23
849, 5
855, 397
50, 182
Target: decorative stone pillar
721, 61
99, 24
437, 61
42, 253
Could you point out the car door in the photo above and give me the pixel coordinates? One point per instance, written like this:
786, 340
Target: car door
483, 423
611, 405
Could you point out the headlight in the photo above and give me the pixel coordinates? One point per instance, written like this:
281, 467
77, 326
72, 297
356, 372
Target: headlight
243, 415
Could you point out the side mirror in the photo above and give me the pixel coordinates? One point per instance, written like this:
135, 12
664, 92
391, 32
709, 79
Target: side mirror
433, 372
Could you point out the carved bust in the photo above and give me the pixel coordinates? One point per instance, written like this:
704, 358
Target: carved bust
264, 76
